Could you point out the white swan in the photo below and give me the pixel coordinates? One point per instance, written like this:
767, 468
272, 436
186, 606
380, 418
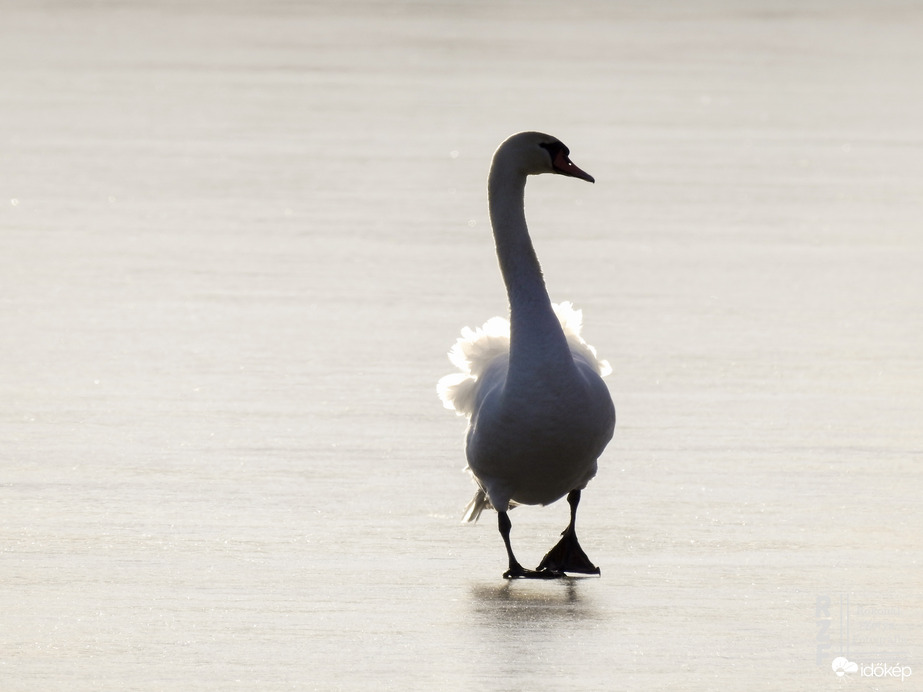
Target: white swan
539, 412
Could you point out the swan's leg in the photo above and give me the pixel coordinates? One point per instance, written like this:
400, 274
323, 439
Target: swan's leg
517, 571
504, 524
567, 555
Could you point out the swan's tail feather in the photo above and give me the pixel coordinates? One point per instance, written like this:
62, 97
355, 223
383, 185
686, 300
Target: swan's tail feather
477, 505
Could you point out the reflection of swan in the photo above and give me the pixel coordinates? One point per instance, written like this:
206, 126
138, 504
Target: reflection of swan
539, 412
497, 599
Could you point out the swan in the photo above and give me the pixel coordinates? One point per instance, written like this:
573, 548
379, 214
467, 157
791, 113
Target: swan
539, 414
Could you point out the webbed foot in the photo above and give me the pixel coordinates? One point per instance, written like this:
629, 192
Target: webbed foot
520, 572
568, 557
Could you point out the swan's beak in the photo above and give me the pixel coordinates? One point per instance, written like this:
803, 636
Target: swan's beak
563, 165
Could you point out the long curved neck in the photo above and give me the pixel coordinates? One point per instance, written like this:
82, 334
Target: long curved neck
536, 337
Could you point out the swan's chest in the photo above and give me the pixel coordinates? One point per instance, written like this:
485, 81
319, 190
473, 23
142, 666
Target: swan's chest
571, 421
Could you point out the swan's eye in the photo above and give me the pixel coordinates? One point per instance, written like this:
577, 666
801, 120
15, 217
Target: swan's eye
554, 149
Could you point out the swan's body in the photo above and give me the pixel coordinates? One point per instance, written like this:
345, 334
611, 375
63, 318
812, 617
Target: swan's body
540, 414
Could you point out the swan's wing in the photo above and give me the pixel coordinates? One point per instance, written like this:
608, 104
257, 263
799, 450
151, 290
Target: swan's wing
572, 322
482, 356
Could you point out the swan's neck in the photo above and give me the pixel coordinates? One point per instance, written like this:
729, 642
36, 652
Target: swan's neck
536, 337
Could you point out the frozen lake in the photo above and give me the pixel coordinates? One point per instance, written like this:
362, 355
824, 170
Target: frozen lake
237, 240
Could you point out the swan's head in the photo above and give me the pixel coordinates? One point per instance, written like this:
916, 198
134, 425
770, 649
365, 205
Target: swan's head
534, 153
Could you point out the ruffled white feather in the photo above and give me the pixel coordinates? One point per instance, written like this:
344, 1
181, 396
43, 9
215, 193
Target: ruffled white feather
481, 354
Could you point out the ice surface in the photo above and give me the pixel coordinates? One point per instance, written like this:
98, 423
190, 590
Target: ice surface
237, 240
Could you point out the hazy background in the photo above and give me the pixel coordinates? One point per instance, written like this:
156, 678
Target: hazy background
237, 239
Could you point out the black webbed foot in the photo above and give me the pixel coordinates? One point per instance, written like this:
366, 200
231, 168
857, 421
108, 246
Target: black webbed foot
516, 570
567, 556
520, 572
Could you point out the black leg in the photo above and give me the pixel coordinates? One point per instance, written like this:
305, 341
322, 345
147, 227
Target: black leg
567, 555
517, 571
504, 523
573, 499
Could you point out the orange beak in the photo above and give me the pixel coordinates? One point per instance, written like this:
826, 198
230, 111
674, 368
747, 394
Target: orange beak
563, 165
